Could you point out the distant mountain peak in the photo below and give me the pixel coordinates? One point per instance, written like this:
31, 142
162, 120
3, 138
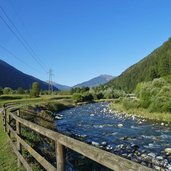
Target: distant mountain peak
60, 86
99, 80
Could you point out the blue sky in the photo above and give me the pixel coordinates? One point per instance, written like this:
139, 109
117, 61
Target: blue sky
81, 39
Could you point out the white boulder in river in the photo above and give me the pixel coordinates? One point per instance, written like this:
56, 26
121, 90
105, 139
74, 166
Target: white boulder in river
95, 143
120, 125
167, 151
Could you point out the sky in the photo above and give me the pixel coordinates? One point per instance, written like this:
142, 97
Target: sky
80, 39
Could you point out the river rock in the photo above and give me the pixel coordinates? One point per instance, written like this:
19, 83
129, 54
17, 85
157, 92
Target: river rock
167, 151
137, 153
104, 143
151, 155
150, 145
125, 155
124, 138
120, 146
101, 126
95, 143
58, 117
134, 146
157, 168
109, 148
169, 167
144, 156
82, 135
120, 125
159, 158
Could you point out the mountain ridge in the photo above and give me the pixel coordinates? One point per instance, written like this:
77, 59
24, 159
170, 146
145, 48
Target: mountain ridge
96, 81
14, 78
156, 64
61, 86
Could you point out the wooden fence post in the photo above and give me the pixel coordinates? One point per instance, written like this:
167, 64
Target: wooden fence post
4, 119
59, 156
18, 130
7, 122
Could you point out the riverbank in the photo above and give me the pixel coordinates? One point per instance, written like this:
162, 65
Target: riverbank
128, 136
141, 112
8, 160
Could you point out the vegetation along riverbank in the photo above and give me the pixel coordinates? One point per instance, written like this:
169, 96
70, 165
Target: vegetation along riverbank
151, 101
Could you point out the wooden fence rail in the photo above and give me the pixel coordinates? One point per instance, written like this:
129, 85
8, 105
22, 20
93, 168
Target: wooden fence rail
105, 158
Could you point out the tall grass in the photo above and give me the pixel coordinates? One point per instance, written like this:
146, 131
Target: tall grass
8, 160
141, 112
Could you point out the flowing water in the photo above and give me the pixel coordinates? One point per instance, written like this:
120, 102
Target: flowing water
133, 138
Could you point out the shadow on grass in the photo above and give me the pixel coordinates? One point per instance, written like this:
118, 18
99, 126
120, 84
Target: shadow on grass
10, 97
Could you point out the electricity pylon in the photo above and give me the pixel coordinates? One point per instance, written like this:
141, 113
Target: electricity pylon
50, 82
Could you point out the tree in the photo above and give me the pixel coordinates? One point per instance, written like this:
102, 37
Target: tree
153, 73
88, 97
1, 91
165, 66
35, 91
7, 90
20, 90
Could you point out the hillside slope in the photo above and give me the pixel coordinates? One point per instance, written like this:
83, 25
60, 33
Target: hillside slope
102, 79
155, 65
11, 77
61, 86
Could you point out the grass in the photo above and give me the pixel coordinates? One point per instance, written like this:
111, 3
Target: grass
25, 99
141, 112
8, 160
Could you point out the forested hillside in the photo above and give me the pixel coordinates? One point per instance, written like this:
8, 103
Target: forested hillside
12, 77
155, 65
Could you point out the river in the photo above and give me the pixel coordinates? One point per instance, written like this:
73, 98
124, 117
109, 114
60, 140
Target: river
133, 138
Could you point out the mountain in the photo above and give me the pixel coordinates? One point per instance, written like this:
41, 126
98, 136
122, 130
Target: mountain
102, 79
12, 77
61, 87
155, 65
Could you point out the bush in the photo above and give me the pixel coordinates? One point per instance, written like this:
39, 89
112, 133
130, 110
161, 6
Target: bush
77, 97
165, 91
130, 103
88, 97
159, 82
160, 104
98, 96
7, 90
167, 106
35, 91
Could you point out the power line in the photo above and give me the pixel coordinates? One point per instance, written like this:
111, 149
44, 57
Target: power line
21, 40
15, 56
21, 36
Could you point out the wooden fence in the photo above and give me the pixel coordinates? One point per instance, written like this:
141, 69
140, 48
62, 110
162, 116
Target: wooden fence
105, 158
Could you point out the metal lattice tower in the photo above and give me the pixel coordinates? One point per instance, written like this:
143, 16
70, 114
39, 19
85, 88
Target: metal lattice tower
50, 81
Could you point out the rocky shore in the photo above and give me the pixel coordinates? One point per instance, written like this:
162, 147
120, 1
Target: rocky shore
127, 146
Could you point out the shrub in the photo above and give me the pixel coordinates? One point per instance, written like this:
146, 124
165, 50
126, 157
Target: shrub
99, 95
35, 91
130, 103
77, 97
159, 82
161, 104
88, 97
